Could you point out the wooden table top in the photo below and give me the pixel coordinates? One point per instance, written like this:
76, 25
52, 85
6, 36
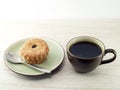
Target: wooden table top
64, 77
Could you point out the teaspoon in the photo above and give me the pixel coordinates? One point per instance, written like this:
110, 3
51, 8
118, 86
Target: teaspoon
13, 58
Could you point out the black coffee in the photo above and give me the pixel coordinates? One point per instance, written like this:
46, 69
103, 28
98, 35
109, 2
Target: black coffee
85, 49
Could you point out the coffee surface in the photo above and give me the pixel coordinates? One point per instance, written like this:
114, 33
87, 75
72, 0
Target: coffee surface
85, 49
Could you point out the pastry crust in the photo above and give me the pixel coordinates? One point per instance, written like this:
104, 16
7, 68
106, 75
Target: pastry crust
34, 51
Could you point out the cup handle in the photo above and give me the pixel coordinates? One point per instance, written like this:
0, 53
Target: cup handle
111, 59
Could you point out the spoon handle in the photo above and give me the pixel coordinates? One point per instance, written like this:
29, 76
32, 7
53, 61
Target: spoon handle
37, 68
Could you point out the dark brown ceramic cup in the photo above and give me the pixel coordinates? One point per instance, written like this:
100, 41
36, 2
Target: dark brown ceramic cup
83, 64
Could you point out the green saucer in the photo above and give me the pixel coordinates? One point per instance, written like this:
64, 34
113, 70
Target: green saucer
54, 58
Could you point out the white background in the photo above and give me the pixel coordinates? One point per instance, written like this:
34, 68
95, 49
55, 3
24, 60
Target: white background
59, 9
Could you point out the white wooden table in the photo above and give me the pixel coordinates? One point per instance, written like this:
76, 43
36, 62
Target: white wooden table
65, 77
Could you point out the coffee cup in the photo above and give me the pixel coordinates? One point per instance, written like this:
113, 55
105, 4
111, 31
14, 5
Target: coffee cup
85, 53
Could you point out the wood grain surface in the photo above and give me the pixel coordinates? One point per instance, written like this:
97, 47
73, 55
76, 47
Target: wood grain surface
105, 77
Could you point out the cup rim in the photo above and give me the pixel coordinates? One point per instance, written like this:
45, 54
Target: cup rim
89, 37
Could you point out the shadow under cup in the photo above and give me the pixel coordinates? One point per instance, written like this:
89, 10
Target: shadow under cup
83, 63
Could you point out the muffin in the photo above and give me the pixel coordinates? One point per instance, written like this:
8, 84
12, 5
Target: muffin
34, 51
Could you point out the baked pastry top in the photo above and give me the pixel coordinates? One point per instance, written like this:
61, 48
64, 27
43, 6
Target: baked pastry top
34, 51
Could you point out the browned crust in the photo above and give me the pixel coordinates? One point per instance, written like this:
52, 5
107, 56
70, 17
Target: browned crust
34, 55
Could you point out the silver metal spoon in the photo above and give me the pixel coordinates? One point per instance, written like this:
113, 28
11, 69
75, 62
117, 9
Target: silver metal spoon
13, 58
